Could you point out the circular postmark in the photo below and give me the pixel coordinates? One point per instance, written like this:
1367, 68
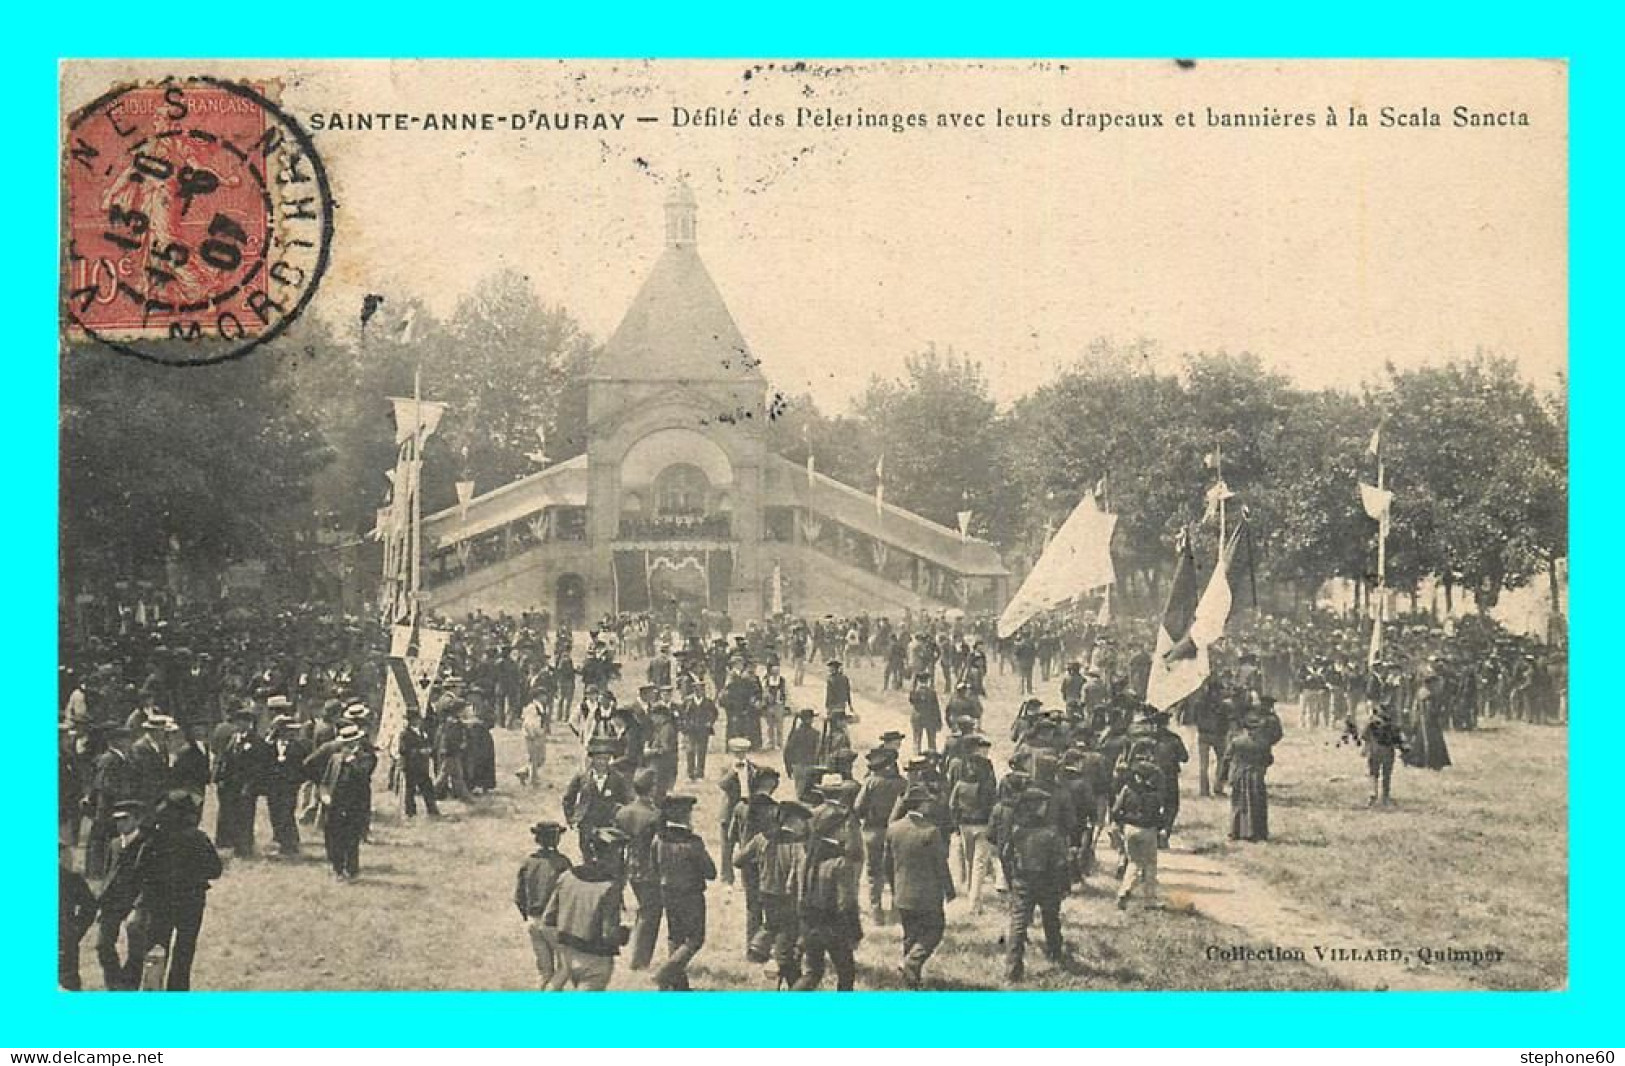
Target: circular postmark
197, 217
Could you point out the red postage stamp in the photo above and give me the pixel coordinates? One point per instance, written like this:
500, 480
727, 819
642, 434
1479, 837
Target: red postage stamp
197, 220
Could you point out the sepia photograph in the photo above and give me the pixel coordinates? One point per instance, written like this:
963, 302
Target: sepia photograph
882, 525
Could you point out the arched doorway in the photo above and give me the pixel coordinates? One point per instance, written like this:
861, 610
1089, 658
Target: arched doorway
571, 600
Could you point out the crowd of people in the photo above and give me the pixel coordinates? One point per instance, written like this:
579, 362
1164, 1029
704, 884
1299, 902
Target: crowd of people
821, 836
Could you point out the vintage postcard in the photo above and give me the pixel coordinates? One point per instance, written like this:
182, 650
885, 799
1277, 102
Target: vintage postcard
814, 525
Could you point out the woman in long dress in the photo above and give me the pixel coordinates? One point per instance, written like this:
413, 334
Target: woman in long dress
1249, 755
1427, 748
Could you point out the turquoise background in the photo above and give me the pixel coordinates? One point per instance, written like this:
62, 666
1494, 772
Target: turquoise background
32, 1013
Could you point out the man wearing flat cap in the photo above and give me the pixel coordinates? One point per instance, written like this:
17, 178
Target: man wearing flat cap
167, 885
682, 866
118, 897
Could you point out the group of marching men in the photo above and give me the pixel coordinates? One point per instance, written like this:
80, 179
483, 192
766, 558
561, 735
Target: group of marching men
817, 848
142, 794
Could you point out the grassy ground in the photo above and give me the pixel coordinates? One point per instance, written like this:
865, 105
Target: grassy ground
1471, 857
1464, 861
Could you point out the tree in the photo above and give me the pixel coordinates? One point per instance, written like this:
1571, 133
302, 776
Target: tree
206, 466
936, 428
1478, 464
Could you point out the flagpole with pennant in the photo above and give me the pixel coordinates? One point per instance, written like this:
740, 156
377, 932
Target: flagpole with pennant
1378, 501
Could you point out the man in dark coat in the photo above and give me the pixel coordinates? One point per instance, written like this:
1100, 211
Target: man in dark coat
239, 774
925, 714
538, 878
1038, 873
697, 719
837, 689
345, 782
166, 883
284, 773
917, 870
415, 751
640, 820
681, 866
584, 914
873, 807
595, 793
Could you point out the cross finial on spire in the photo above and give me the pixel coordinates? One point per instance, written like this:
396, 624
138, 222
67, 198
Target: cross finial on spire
681, 210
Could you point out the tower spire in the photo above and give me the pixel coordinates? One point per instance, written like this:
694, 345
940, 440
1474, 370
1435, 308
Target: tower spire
681, 212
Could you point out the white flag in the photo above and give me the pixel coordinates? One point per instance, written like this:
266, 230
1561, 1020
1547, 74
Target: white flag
465, 493
964, 525
1375, 447
414, 415
1077, 559
1378, 502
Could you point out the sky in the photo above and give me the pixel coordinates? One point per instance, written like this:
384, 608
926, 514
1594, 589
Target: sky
1327, 252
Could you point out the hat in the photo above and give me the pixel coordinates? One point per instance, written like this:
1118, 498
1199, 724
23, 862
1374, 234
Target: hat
178, 799
675, 806
791, 807
920, 762
545, 832
245, 711
833, 663
358, 712
768, 773
738, 745
161, 722
283, 721
350, 731
829, 781
648, 688
603, 746
806, 713
133, 808
891, 736
278, 701
880, 757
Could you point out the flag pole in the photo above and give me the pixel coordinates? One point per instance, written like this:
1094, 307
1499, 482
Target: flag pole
417, 486
1218, 463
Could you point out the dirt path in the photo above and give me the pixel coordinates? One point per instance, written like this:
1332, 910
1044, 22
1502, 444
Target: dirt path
1266, 919
1203, 882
